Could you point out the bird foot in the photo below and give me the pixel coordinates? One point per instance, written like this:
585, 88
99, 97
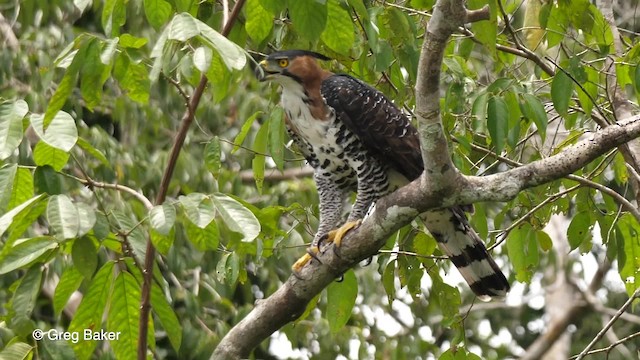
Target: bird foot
334, 236
312, 253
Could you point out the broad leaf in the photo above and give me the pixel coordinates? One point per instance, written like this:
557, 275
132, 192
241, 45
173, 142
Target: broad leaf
61, 133
25, 252
11, 114
237, 217
339, 35
497, 122
91, 310
259, 21
69, 282
561, 91
162, 218
63, 217
341, 297
124, 314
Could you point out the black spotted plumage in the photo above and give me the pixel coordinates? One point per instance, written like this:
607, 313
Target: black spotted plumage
358, 140
376, 121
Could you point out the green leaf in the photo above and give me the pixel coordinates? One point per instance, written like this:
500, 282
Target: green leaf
449, 299
46, 155
339, 35
90, 312
26, 294
22, 187
130, 41
107, 54
561, 91
341, 297
47, 180
133, 78
65, 88
259, 160
202, 58
497, 122
544, 240
212, 156
203, 239
85, 256
25, 253
636, 77
86, 146
157, 12
184, 27
124, 312
7, 219
69, 282
114, 15
522, 248
166, 315
237, 217
54, 349
259, 21
579, 229
11, 115
388, 280
126, 225
62, 216
86, 218
237, 142
486, 31
22, 221
629, 253
199, 209
162, 218
533, 110
94, 74
61, 133
162, 242
16, 351
7, 177
309, 18
276, 137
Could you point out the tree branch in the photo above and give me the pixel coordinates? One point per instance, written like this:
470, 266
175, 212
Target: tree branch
614, 318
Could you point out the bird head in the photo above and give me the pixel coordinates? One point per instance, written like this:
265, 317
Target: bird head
283, 66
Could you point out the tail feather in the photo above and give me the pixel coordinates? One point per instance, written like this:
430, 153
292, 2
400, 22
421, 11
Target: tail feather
466, 250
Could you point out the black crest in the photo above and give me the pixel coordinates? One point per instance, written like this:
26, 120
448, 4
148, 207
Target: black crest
290, 54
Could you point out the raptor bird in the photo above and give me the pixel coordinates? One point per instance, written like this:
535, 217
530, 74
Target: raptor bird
356, 139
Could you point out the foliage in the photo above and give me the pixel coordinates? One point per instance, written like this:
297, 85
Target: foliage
91, 97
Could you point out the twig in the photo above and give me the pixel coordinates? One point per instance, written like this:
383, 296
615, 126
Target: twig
614, 318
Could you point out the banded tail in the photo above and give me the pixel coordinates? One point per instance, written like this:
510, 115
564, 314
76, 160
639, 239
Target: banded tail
463, 246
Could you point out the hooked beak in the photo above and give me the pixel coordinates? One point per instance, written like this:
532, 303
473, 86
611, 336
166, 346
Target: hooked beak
262, 74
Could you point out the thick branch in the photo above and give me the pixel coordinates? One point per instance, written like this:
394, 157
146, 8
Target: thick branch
506, 185
447, 17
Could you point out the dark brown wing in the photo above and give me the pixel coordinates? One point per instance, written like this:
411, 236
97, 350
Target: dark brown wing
377, 122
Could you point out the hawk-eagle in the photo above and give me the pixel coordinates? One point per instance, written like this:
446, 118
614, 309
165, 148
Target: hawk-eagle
358, 140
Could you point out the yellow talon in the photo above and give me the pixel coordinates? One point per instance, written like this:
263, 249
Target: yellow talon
298, 265
335, 236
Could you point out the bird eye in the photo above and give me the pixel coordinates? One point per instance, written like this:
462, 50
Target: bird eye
283, 63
